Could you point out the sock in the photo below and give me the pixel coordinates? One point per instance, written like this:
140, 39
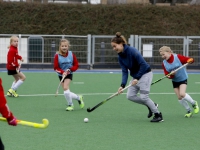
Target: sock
12, 85
75, 96
17, 84
185, 104
189, 99
68, 97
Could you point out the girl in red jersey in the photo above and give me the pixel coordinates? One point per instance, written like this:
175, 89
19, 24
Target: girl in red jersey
65, 63
179, 79
6, 113
13, 66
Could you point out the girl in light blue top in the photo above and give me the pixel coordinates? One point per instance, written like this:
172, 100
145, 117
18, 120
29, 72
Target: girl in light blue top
179, 79
65, 63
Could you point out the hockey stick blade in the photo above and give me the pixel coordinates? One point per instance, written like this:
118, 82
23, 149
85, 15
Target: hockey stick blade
88, 109
43, 125
101, 103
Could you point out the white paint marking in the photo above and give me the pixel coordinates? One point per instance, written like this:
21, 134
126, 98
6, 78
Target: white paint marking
78, 82
91, 94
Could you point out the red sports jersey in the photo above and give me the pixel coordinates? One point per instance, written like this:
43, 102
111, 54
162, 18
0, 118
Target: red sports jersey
183, 60
12, 58
59, 70
4, 110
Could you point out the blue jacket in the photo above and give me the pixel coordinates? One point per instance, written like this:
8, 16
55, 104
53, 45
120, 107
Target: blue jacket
131, 59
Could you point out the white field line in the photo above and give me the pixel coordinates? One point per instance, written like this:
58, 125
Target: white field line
91, 94
197, 82
78, 82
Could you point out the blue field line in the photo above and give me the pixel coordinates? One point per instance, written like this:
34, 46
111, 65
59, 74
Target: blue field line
116, 71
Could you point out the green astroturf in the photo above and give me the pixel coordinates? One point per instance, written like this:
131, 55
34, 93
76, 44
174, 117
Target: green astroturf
116, 125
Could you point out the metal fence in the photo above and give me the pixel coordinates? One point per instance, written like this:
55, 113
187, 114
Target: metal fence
176, 43
95, 51
40, 49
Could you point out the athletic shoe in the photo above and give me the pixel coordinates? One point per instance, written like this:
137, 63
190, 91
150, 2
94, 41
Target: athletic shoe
14, 94
81, 103
196, 107
70, 108
9, 94
188, 115
157, 118
150, 112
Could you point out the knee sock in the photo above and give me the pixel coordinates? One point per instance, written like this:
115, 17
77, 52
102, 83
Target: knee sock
75, 96
17, 84
189, 99
68, 97
184, 104
12, 84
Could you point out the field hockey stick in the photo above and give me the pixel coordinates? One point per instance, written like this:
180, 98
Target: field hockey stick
18, 68
169, 74
101, 103
42, 125
59, 85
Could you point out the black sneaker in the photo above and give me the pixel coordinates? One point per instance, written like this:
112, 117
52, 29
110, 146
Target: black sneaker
150, 112
157, 118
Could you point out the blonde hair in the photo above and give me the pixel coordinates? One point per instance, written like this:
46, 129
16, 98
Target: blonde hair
62, 41
165, 49
119, 39
11, 39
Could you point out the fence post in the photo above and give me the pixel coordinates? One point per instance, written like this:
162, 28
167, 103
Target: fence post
102, 52
173, 3
53, 50
199, 54
89, 52
152, 58
153, 2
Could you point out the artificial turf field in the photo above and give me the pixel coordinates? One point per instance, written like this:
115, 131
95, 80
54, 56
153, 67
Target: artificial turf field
116, 125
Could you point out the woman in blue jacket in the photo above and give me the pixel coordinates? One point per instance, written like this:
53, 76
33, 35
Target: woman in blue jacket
131, 60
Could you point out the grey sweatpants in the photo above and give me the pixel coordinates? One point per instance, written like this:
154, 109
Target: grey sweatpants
143, 87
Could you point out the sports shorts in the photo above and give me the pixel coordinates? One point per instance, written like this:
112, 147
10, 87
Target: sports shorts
12, 72
69, 76
177, 84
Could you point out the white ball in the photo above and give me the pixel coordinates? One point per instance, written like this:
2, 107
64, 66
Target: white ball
86, 120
